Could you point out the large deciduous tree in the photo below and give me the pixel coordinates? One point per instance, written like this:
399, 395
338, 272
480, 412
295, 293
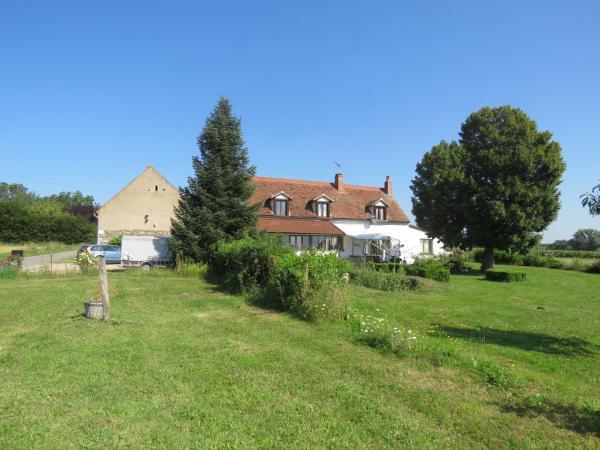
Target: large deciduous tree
214, 205
496, 188
591, 200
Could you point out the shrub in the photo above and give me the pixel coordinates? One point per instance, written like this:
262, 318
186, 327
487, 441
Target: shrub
504, 275
500, 256
534, 260
85, 261
117, 240
309, 285
594, 268
432, 273
383, 281
247, 264
457, 261
388, 267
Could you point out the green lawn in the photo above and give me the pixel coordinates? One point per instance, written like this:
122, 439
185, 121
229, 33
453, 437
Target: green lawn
35, 248
184, 365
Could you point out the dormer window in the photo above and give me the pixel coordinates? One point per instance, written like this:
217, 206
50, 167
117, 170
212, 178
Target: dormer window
380, 213
379, 210
321, 206
323, 209
281, 207
280, 204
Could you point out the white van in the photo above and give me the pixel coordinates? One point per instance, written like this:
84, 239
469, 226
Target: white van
146, 252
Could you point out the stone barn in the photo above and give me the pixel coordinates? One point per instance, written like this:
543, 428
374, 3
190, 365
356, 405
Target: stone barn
142, 208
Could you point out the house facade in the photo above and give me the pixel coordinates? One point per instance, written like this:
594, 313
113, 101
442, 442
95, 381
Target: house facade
353, 221
142, 208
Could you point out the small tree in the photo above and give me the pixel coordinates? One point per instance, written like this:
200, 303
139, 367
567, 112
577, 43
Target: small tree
214, 205
591, 200
496, 188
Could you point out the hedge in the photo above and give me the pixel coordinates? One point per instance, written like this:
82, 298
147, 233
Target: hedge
572, 253
504, 275
20, 223
432, 273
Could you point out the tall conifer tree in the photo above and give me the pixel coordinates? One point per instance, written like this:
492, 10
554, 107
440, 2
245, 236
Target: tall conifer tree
214, 205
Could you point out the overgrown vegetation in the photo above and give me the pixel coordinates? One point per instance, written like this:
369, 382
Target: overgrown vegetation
383, 281
309, 285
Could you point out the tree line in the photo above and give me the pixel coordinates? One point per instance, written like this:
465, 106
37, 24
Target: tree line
26, 216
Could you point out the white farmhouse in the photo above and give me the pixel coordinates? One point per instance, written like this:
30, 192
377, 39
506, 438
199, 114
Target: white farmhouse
354, 221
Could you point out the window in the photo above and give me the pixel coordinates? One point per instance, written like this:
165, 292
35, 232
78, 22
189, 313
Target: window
380, 213
281, 207
323, 209
307, 242
156, 188
427, 246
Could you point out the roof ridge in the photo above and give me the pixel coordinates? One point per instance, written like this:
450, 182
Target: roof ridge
315, 183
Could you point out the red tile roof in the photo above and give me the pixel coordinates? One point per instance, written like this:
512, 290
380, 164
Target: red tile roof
298, 226
350, 203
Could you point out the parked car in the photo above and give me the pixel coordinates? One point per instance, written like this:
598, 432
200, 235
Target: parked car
85, 248
111, 253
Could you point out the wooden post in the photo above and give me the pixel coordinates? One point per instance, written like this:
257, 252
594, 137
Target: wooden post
104, 287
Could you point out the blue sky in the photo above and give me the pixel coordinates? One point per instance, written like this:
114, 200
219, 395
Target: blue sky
92, 92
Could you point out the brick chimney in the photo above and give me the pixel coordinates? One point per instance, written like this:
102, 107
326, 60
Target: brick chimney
339, 182
387, 186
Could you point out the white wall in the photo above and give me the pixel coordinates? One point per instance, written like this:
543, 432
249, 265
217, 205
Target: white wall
409, 237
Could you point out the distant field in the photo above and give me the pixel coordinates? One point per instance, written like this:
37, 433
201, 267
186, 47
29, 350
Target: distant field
35, 248
184, 365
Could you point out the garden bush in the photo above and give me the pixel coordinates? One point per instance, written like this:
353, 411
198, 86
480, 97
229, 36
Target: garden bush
310, 285
383, 281
534, 260
504, 275
594, 268
247, 264
388, 267
432, 273
500, 256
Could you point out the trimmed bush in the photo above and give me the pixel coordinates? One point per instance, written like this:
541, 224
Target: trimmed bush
383, 281
504, 275
432, 273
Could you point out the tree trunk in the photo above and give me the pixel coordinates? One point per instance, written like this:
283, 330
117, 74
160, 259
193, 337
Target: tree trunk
488, 259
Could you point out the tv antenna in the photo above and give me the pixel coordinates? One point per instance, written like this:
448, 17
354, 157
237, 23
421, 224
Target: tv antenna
339, 166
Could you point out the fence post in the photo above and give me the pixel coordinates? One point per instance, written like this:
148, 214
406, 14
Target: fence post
104, 287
